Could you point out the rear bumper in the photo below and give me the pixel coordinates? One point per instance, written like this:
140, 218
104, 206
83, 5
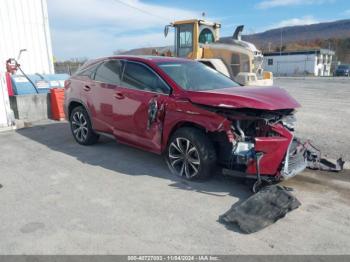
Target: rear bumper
342, 74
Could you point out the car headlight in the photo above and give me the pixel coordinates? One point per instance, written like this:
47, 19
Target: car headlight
289, 121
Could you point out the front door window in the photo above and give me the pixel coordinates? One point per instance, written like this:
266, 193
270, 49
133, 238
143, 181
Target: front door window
138, 76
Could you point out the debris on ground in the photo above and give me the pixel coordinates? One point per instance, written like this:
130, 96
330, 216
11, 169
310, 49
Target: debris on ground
261, 209
315, 160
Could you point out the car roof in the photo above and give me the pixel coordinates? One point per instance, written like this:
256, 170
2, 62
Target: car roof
140, 58
144, 58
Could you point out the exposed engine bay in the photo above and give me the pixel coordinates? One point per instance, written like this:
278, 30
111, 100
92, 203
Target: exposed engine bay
262, 144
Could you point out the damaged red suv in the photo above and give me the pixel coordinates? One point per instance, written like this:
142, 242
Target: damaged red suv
198, 118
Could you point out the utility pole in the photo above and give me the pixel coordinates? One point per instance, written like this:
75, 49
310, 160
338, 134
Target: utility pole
281, 42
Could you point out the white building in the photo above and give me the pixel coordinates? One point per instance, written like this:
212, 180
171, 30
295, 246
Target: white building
311, 62
23, 25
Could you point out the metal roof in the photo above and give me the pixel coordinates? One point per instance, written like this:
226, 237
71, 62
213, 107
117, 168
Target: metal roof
302, 52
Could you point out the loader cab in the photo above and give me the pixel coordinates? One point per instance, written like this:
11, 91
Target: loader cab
184, 44
191, 35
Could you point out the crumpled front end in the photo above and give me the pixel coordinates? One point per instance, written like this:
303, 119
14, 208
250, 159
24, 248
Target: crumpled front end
262, 144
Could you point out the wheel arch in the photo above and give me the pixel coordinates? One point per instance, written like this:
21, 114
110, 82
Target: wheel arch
71, 106
177, 126
75, 103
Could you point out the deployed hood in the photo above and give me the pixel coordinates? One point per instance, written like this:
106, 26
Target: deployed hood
267, 98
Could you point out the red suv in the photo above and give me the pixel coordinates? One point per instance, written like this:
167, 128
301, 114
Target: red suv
197, 117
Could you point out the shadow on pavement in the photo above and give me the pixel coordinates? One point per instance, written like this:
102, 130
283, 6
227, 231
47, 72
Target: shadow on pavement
128, 161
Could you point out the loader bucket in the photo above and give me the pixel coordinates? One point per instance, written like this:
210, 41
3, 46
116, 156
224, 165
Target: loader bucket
261, 209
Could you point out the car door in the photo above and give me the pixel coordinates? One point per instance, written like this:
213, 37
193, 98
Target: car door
139, 108
101, 93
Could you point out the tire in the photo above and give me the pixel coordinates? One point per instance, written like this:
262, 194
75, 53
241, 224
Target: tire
81, 127
191, 154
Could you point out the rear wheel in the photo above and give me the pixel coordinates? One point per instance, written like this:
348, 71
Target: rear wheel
81, 127
191, 154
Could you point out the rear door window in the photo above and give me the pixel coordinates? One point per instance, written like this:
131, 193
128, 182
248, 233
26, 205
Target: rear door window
109, 72
89, 71
138, 76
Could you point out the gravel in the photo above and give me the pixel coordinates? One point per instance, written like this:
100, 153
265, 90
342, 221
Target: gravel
324, 117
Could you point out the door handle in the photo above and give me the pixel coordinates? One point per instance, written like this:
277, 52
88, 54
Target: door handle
87, 88
118, 95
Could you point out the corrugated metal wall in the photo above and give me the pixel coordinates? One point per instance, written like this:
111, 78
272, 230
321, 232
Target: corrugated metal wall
24, 25
5, 110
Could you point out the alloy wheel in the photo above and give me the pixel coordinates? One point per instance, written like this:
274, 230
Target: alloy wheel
80, 126
184, 157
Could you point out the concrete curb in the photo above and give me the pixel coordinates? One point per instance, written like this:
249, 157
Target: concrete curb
7, 128
311, 77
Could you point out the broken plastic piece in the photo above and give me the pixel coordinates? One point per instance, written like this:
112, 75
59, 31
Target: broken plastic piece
152, 112
261, 209
257, 185
316, 162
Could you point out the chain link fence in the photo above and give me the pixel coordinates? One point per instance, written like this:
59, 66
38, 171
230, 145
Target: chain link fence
67, 67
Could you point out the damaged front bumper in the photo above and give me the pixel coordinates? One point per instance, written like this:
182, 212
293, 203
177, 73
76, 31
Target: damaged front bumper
273, 158
283, 156
264, 148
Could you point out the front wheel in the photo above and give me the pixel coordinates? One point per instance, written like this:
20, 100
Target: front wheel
191, 154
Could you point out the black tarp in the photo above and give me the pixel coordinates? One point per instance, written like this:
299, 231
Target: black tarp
261, 209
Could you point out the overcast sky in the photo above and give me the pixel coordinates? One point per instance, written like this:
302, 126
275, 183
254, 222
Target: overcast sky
92, 28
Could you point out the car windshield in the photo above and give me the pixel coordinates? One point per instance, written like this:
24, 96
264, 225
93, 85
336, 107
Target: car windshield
343, 67
195, 76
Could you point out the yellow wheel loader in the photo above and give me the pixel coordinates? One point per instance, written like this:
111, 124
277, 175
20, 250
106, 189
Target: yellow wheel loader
239, 60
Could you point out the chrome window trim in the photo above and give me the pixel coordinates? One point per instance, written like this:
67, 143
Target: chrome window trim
96, 65
122, 75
